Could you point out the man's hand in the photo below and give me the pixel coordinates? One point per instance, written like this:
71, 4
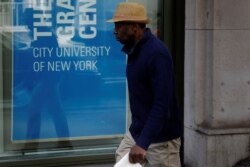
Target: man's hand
137, 154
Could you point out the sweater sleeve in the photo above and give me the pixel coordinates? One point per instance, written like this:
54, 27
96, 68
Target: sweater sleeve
161, 78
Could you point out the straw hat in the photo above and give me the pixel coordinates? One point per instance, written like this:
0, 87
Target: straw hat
131, 12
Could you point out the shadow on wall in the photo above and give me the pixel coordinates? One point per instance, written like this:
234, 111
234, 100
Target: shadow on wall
243, 163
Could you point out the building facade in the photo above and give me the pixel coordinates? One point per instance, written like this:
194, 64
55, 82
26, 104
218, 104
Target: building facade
217, 90
209, 41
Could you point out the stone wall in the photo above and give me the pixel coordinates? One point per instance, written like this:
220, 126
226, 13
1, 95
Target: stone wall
217, 82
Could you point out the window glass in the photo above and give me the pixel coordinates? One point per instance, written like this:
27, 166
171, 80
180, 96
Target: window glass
62, 74
154, 12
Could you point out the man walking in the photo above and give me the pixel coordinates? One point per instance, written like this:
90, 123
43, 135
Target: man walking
154, 134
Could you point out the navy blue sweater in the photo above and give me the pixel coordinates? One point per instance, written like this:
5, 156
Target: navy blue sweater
150, 76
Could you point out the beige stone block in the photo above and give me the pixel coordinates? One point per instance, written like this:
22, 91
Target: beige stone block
231, 14
198, 54
231, 79
217, 14
199, 14
217, 80
201, 150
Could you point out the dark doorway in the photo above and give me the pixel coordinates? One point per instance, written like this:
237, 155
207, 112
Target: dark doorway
173, 34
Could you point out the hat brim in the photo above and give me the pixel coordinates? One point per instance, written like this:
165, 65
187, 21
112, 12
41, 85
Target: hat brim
146, 21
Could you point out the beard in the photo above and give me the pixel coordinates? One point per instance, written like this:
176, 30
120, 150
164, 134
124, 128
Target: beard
127, 40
